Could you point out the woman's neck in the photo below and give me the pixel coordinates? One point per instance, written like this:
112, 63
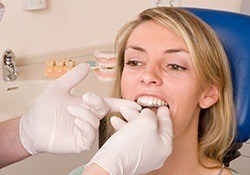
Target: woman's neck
184, 159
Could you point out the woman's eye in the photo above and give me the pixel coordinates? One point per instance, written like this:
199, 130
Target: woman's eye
176, 67
134, 63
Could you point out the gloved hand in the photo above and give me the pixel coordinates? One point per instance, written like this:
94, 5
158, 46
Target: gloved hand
139, 146
93, 109
49, 127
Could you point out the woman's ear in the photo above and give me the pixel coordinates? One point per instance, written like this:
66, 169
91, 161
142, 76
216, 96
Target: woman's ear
209, 97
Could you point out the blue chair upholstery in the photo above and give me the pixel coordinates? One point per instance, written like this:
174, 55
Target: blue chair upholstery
233, 30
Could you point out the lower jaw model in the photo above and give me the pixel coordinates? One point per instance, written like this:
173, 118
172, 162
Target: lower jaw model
105, 74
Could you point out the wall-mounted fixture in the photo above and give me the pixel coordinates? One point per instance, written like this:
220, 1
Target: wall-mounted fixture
245, 8
34, 4
9, 66
165, 3
2, 8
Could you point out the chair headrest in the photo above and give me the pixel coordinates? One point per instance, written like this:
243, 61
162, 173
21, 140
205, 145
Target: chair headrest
233, 30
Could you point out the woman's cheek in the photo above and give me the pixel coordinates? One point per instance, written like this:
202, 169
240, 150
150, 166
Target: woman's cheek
125, 88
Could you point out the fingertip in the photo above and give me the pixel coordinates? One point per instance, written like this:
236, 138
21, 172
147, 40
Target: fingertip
76, 121
86, 129
71, 108
146, 110
87, 97
132, 104
73, 77
163, 110
126, 111
83, 106
84, 65
124, 108
116, 103
117, 122
81, 70
113, 122
139, 107
163, 113
92, 99
111, 118
136, 106
96, 103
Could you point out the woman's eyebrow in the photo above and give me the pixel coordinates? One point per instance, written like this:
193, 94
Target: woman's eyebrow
136, 48
168, 51
171, 51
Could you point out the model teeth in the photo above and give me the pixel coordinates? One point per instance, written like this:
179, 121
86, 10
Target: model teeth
150, 101
107, 64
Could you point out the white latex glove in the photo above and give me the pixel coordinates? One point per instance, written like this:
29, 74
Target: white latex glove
49, 127
93, 109
139, 146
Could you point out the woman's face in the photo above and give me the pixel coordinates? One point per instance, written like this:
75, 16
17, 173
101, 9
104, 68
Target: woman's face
158, 68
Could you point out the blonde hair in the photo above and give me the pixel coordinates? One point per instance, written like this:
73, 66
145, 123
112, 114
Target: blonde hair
216, 124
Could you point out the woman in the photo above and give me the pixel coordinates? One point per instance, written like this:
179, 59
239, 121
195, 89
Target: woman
169, 57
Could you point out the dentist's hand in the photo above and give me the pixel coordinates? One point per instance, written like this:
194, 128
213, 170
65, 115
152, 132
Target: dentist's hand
139, 146
49, 127
92, 110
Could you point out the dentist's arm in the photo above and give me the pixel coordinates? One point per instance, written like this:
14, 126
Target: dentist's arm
50, 128
11, 149
94, 169
26, 135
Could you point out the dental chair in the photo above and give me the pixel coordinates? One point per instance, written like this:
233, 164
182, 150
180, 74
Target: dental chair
233, 30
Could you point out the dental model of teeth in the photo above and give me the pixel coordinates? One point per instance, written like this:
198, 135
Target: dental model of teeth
55, 68
149, 101
106, 68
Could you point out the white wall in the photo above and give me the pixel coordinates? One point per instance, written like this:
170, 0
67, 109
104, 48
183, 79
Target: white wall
66, 24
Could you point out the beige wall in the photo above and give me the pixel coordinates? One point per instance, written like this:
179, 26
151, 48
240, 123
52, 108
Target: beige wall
227, 5
246, 7
66, 24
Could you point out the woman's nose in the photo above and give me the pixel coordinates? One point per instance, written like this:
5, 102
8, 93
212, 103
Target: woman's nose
151, 76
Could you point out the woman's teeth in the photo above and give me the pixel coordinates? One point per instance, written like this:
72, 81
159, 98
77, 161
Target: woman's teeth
150, 102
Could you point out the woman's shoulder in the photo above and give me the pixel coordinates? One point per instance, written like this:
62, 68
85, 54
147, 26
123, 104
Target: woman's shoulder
77, 171
233, 172
230, 172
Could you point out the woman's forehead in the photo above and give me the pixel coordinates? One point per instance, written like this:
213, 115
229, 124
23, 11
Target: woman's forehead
151, 34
